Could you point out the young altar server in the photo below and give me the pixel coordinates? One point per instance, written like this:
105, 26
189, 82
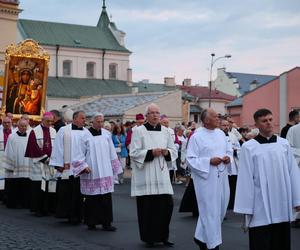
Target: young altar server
150, 149
209, 154
268, 187
97, 167
17, 168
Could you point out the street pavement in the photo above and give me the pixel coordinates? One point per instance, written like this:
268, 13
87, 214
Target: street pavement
20, 230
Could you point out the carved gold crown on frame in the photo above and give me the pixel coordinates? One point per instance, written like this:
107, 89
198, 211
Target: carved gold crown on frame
27, 48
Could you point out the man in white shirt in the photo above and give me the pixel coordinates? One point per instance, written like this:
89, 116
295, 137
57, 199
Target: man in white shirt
268, 187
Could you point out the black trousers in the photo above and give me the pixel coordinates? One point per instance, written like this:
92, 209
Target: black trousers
98, 209
38, 198
154, 216
69, 200
232, 185
17, 192
271, 237
189, 201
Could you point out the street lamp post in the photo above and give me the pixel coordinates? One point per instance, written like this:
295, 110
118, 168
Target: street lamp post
210, 73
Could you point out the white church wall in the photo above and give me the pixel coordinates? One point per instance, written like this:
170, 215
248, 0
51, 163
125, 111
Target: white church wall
217, 105
80, 57
224, 83
170, 105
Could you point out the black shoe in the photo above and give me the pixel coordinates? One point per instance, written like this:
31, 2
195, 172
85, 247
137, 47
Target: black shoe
39, 214
109, 228
149, 244
74, 222
92, 227
201, 244
168, 243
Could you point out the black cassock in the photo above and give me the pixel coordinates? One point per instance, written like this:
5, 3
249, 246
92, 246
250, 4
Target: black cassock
189, 201
154, 216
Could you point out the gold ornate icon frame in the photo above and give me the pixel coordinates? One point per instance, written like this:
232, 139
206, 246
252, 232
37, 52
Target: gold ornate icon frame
25, 80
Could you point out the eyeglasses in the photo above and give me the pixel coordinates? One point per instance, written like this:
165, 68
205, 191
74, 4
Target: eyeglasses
153, 113
49, 121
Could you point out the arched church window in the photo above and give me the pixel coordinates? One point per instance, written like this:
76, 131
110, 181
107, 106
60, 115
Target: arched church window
67, 68
113, 71
90, 69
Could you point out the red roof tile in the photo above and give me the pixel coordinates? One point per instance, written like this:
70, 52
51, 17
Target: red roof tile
203, 93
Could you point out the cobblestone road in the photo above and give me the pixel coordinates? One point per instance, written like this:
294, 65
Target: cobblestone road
20, 230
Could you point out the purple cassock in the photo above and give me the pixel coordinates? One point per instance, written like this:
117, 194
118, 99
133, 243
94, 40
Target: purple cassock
33, 150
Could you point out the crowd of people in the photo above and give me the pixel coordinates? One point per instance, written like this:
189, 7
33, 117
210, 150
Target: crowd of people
69, 169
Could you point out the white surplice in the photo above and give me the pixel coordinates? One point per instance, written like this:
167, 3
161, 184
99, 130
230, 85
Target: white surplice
235, 146
293, 136
100, 155
14, 162
172, 164
150, 178
76, 143
211, 182
268, 185
2, 170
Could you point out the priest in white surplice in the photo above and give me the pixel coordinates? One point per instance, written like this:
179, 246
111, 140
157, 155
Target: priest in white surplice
17, 168
68, 144
5, 131
209, 155
150, 149
236, 147
97, 167
293, 136
268, 187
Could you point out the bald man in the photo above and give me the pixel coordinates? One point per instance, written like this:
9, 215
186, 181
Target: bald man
17, 168
209, 153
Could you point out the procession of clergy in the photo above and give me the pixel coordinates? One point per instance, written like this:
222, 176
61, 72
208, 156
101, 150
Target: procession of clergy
70, 170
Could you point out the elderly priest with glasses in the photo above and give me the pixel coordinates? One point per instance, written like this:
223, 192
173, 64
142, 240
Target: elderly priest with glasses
151, 148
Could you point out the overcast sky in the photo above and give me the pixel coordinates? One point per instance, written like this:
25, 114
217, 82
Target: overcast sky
176, 37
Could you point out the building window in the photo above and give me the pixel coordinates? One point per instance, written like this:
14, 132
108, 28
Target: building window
113, 68
67, 66
90, 69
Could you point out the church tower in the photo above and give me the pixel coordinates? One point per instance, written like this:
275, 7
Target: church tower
104, 22
9, 12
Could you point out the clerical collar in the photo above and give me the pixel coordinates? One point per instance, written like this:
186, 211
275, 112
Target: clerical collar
19, 134
75, 127
226, 133
95, 132
262, 140
149, 127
